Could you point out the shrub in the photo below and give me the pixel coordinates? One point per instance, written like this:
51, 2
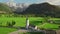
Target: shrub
10, 24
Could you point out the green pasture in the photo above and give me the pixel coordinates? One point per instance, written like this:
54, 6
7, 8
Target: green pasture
4, 30
21, 21
49, 26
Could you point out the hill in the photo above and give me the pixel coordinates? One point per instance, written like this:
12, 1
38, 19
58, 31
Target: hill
4, 8
43, 9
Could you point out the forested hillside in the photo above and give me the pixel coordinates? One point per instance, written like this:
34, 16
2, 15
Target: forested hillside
4, 8
43, 9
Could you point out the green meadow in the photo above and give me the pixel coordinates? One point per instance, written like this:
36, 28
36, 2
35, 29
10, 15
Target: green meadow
21, 21
4, 30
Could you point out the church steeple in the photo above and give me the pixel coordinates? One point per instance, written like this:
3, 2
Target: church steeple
27, 23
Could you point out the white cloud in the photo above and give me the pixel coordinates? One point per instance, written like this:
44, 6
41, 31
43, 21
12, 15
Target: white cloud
56, 2
53, 1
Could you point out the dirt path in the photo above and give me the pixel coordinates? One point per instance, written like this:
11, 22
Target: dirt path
24, 30
17, 32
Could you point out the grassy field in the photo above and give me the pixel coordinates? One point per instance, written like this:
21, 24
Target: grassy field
49, 26
4, 30
21, 21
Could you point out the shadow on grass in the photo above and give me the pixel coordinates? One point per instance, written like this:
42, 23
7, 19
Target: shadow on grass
15, 27
36, 33
33, 33
35, 22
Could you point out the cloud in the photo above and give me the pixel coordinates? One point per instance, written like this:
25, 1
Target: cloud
53, 1
56, 2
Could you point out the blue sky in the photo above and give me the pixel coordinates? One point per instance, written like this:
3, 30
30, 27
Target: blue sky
22, 1
35, 1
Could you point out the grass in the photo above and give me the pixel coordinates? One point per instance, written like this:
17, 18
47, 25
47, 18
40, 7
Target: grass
4, 30
49, 26
21, 21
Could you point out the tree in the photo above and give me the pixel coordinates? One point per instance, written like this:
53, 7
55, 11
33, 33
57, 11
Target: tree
10, 24
47, 19
13, 22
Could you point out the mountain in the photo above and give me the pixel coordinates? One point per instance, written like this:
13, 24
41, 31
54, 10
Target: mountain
58, 5
43, 9
20, 7
4, 8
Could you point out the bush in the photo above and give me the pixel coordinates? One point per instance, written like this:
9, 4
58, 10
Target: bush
10, 24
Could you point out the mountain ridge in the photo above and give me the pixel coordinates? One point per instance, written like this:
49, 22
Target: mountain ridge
4, 8
43, 9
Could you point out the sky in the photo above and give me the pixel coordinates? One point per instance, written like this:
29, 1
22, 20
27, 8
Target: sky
56, 2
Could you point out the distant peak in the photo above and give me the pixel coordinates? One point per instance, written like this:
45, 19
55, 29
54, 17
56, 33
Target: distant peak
45, 3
